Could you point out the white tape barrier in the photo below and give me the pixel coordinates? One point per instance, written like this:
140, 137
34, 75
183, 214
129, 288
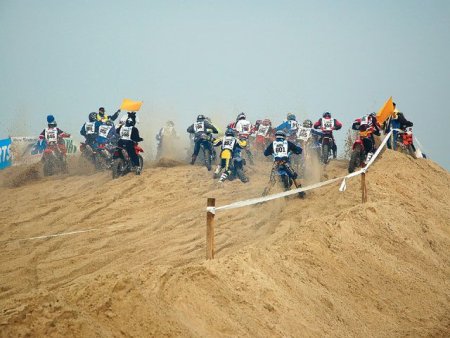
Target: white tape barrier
63, 234
342, 188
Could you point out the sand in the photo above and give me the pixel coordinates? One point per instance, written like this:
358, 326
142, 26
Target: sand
135, 263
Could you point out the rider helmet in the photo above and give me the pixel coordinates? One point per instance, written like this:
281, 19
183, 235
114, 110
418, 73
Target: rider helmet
92, 117
327, 115
307, 124
229, 132
280, 134
290, 117
50, 118
123, 120
130, 122
101, 111
266, 122
241, 116
201, 117
170, 124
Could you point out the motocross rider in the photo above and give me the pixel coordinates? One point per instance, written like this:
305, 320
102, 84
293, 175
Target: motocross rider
202, 131
128, 137
244, 128
281, 149
396, 121
107, 134
367, 126
90, 129
290, 126
264, 132
230, 142
53, 134
167, 131
327, 124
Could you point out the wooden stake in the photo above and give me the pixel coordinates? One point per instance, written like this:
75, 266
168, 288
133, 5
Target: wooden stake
210, 229
363, 188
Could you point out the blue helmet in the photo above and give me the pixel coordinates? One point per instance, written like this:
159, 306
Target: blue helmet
50, 118
291, 117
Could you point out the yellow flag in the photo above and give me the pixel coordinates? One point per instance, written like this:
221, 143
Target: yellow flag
130, 105
385, 111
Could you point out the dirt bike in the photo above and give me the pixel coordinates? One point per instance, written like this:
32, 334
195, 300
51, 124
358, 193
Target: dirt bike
361, 150
54, 159
405, 142
236, 166
283, 173
99, 154
122, 165
206, 151
327, 143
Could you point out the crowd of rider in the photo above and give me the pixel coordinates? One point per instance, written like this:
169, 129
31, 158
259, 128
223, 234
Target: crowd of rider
241, 137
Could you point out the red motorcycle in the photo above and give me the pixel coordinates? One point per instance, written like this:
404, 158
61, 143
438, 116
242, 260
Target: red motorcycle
405, 142
54, 156
362, 148
122, 164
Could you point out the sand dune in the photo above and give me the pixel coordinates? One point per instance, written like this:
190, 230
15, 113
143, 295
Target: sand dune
323, 266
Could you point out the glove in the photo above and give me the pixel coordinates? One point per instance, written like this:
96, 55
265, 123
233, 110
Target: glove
118, 111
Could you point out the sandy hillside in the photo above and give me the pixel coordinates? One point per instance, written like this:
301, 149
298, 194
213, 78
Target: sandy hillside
323, 266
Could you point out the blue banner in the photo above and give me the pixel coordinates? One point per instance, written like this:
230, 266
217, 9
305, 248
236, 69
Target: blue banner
5, 153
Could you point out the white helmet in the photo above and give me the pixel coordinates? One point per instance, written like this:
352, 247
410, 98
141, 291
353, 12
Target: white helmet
123, 120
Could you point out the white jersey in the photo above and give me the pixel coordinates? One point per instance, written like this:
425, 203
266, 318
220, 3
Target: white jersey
263, 130
89, 127
199, 127
125, 133
293, 126
243, 127
280, 148
327, 124
228, 142
303, 133
168, 131
51, 134
103, 130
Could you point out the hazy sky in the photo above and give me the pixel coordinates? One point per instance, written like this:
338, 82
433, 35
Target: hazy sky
264, 58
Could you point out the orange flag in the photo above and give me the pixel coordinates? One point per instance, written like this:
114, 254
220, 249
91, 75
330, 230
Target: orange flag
385, 111
130, 105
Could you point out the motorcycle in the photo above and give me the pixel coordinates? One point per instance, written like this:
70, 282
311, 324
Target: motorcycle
236, 166
405, 142
53, 158
311, 146
99, 154
104, 155
361, 149
283, 173
206, 150
327, 143
121, 163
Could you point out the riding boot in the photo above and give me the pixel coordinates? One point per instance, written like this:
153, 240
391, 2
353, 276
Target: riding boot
194, 157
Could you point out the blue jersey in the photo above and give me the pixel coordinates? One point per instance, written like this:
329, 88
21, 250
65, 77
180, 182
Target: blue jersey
289, 126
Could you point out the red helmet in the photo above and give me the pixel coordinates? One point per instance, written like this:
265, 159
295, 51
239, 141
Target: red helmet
266, 122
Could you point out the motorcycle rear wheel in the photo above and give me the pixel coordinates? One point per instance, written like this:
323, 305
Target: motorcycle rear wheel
325, 153
118, 167
207, 158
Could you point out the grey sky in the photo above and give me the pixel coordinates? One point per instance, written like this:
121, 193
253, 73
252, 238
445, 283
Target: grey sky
221, 57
